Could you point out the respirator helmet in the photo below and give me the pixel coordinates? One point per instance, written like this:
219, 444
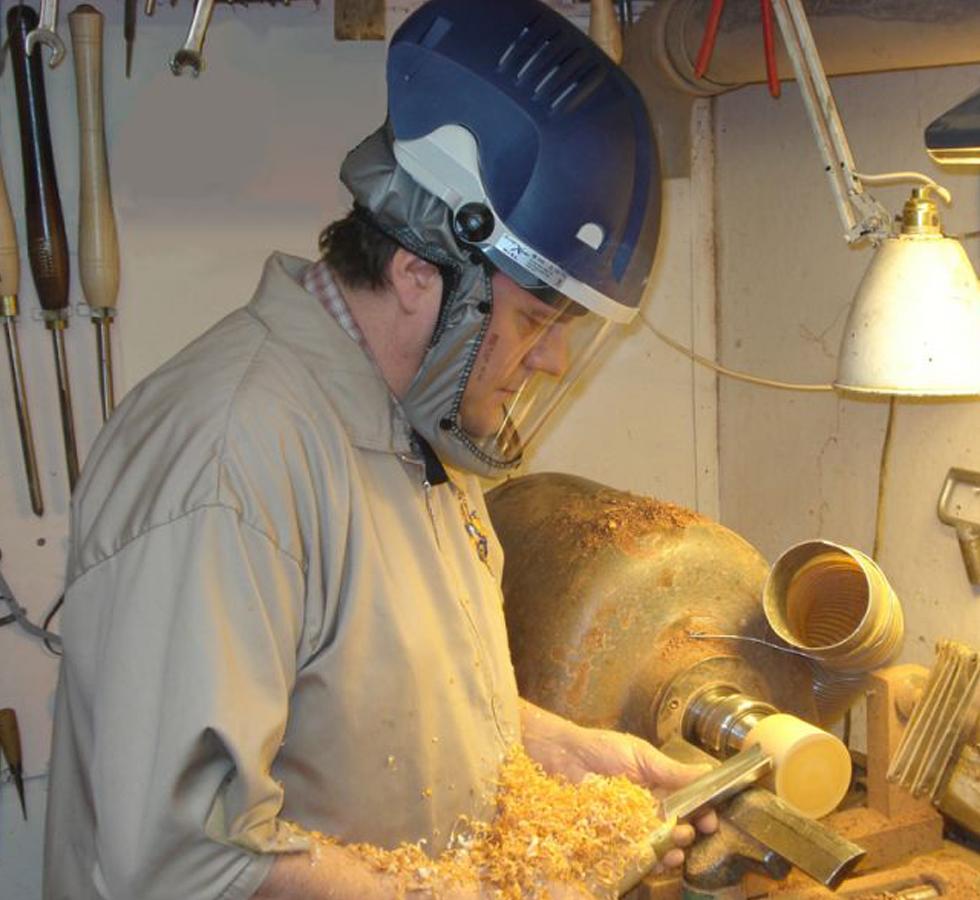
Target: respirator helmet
513, 145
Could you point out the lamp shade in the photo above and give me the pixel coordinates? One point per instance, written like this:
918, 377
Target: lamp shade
914, 326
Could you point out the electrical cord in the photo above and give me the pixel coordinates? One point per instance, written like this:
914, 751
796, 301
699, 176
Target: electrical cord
732, 373
47, 622
19, 614
882, 476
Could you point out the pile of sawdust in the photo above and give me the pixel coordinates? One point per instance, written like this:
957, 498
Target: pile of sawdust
546, 830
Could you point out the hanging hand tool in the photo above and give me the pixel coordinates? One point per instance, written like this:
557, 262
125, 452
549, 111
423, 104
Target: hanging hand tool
768, 43
605, 30
98, 246
129, 33
769, 49
47, 245
47, 33
192, 53
9, 284
10, 745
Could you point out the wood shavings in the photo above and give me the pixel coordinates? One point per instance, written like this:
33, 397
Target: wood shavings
614, 517
546, 831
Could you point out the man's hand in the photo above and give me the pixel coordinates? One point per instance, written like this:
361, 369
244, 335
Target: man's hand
561, 747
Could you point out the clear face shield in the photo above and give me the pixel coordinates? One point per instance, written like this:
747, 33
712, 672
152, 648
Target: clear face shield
536, 346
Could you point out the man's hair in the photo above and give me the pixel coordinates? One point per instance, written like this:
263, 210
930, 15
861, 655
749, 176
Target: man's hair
357, 250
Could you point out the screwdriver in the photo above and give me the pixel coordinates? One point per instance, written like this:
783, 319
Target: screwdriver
10, 745
9, 284
98, 245
47, 245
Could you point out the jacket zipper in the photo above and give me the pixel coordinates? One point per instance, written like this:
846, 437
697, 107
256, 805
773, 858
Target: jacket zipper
427, 493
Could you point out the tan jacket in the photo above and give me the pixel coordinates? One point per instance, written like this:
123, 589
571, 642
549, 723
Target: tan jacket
268, 618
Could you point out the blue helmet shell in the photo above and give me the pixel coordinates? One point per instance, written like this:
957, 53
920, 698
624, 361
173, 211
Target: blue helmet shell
562, 133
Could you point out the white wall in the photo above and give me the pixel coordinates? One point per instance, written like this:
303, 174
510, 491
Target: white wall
208, 176
797, 466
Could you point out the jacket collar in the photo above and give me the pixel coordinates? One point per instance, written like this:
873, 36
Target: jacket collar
362, 400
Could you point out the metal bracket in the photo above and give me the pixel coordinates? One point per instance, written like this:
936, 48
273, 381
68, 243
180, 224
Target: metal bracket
951, 512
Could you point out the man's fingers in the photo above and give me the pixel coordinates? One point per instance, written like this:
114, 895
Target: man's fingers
660, 770
673, 859
683, 835
708, 823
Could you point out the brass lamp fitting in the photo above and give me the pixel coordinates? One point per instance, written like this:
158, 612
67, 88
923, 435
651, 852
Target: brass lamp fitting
920, 215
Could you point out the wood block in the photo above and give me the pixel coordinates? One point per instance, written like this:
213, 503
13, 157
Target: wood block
885, 689
359, 20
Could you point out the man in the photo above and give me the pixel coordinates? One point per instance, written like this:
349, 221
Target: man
282, 610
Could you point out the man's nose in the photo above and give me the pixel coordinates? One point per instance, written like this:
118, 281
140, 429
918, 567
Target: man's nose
550, 352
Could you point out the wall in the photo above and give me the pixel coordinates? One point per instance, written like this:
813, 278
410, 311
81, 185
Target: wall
208, 176
796, 466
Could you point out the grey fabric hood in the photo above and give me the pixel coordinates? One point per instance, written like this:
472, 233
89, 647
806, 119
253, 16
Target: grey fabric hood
422, 223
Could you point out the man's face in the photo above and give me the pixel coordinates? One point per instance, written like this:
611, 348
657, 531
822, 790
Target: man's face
525, 336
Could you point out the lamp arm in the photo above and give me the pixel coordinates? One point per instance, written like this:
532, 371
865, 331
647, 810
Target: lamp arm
862, 215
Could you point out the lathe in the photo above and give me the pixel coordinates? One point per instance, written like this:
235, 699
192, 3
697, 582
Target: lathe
630, 613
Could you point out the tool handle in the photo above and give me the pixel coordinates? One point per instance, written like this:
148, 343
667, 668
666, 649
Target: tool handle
604, 29
10, 737
98, 245
9, 259
47, 245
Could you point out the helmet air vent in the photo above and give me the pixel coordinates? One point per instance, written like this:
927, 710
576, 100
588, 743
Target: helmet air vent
536, 49
539, 50
582, 85
506, 55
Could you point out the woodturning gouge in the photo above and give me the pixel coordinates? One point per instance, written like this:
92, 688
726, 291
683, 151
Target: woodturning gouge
10, 746
9, 284
47, 246
98, 245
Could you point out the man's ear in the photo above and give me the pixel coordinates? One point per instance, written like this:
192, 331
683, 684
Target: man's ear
414, 280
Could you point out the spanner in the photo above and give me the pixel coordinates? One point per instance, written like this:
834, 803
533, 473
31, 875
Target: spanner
46, 33
191, 54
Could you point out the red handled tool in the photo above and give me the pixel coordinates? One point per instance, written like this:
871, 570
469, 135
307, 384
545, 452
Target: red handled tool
768, 43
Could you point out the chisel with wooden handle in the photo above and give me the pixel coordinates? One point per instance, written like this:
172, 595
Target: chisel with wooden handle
98, 245
10, 745
9, 286
47, 245
604, 29
692, 800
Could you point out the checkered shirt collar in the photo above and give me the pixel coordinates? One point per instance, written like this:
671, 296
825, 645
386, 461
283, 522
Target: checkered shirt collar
319, 281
